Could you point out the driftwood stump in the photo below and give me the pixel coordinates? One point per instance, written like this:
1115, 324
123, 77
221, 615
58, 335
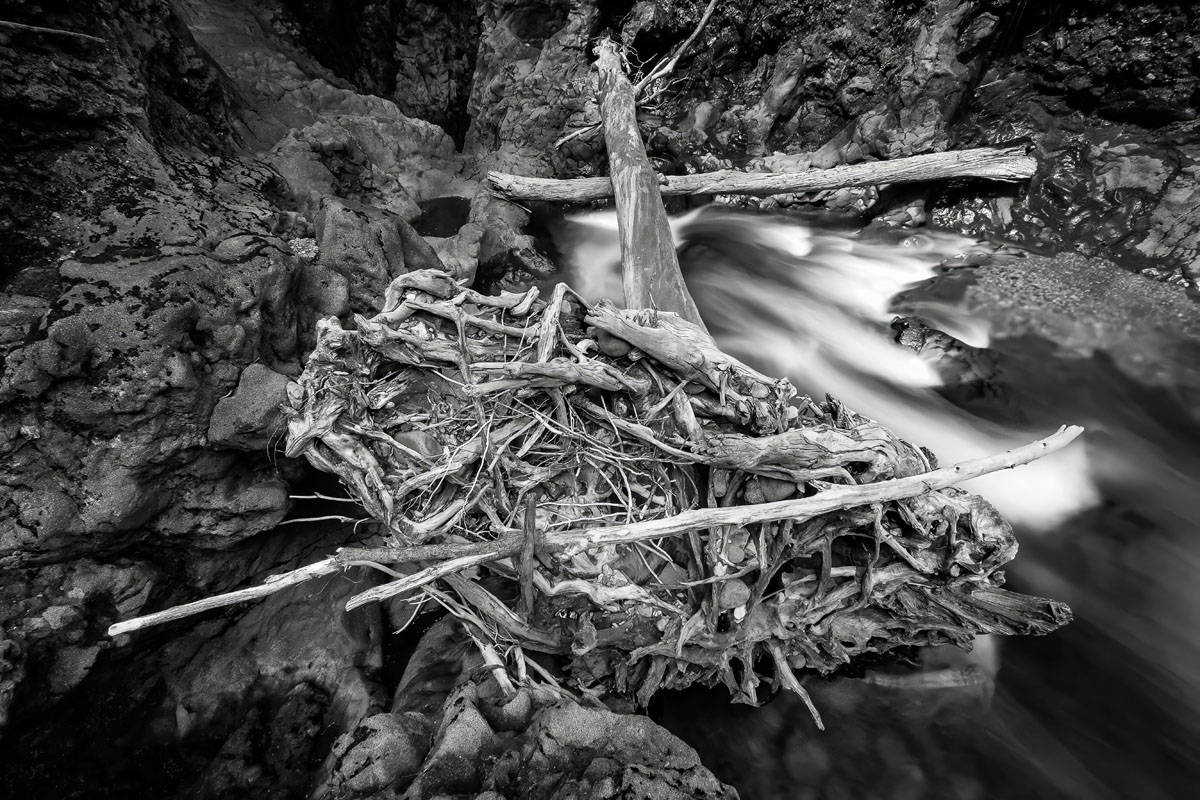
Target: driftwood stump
649, 267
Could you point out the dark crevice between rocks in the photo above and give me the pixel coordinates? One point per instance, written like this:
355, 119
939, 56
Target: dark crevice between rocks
442, 216
508, 272
100, 740
418, 53
114, 735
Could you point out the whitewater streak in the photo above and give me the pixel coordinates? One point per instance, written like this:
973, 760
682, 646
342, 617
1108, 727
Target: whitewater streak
814, 302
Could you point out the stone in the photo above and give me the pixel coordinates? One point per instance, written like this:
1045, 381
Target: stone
573, 751
298, 636
1084, 306
250, 418
384, 752
458, 755
270, 753
368, 248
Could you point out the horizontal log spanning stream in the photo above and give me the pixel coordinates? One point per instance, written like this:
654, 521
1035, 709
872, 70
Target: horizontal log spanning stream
1001, 164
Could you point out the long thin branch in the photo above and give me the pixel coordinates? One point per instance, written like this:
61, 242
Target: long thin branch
270, 586
461, 557
1002, 164
798, 509
21, 26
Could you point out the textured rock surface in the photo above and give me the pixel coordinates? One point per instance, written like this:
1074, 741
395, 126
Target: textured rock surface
1153, 335
160, 283
450, 736
1102, 91
249, 419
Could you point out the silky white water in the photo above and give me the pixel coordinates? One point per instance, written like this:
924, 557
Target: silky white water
814, 304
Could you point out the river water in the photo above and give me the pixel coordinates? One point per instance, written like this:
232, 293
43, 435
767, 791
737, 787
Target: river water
1106, 707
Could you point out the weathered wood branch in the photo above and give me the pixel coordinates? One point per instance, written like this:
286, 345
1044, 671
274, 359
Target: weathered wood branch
271, 585
464, 556
649, 266
667, 65
20, 26
702, 518
1006, 164
661, 70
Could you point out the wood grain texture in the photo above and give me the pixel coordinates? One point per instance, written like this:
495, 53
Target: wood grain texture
649, 266
1007, 164
465, 556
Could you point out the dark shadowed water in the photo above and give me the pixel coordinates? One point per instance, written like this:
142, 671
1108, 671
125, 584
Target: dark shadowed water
1108, 707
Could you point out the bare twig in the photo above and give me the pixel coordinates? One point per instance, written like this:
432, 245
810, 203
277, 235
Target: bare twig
661, 70
789, 681
270, 586
666, 66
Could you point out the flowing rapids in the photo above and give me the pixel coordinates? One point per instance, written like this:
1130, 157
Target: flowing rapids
1108, 525
814, 304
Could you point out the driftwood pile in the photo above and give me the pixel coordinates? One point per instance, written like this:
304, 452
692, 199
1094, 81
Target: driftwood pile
606, 487
641, 505
558, 445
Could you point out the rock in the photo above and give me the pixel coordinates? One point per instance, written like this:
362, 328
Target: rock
459, 254
532, 81
12, 671
384, 752
1085, 306
250, 418
436, 667
435, 63
508, 713
790, 62
732, 594
293, 637
270, 754
51, 639
458, 755
572, 751
368, 248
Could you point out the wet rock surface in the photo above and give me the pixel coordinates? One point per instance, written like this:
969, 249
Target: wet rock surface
187, 198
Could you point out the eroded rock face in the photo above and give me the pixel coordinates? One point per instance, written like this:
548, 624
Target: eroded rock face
188, 198
448, 735
1103, 187
1101, 92
144, 277
163, 271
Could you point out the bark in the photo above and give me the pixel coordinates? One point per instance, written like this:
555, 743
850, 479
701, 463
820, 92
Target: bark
1007, 164
650, 269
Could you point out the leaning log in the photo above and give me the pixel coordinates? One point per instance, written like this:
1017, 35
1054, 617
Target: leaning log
1004, 164
650, 271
